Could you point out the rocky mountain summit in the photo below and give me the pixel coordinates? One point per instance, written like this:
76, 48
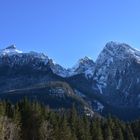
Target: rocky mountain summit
118, 72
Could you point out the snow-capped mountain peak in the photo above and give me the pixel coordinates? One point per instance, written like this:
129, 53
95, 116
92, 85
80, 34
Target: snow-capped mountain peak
10, 50
84, 66
116, 45
115, 59
11, 47
116, 49
85, 59
120, 51
84, 63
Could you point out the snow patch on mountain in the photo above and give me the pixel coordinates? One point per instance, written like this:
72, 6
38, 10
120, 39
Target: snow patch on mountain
98, 106
119, 84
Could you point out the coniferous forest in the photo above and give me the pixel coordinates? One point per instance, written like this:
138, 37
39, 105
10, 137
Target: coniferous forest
32, 121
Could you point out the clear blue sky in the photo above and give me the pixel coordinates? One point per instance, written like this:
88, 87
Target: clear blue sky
67, 30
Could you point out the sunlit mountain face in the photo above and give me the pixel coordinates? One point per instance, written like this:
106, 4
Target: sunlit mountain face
108, 85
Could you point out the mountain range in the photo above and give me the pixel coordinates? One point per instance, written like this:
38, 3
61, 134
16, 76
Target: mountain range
110, 85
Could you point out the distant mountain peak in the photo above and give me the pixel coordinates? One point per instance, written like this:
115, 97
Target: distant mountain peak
120, 48
84, 66
86, 58
84, 62
11, 47
120, 51
10, 50
117, 47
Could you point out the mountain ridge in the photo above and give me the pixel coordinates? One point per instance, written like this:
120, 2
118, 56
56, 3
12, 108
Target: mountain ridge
108, 84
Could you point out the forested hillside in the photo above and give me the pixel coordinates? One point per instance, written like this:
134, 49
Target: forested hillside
32, 121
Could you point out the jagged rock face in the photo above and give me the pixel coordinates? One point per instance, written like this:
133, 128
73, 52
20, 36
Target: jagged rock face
58, 70
12, 47
20, 70
12, 57
117, 74
84, 66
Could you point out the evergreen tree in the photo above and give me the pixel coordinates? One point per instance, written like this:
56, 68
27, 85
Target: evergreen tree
108, 133
73, 120
136, 129
2, 108
46, 131
32, 121
117, 135
54, 120
96, 130
64, 130
129, 133
86, 126
8, 129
